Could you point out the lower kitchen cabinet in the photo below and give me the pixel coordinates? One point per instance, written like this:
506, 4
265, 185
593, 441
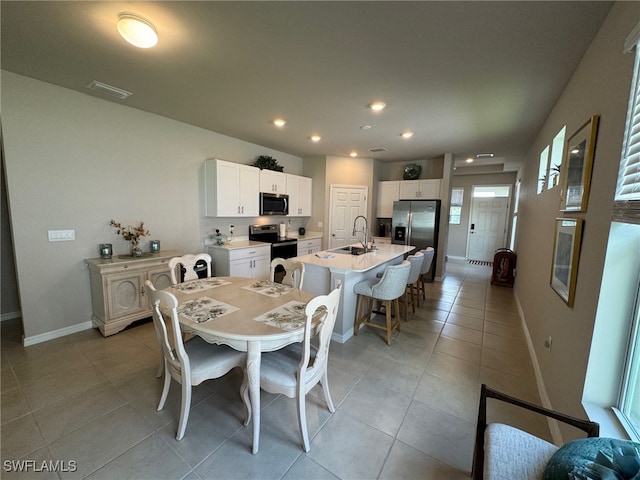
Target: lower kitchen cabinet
305, 247
118, 294
253, 261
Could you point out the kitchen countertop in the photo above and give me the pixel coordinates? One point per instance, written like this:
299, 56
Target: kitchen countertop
240, 244
356, 263
306, 236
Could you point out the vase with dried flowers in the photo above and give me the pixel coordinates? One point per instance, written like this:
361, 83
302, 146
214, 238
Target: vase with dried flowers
132, 235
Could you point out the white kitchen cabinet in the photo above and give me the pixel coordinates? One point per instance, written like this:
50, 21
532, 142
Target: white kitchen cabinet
118, 295
305, 247
428, 189
388, 192
272, 181
231, 189
299, 191
253, 261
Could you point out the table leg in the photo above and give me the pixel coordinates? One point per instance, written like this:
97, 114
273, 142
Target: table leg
253, 372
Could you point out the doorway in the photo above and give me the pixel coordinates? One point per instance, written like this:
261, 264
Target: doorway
347, 202
488, 221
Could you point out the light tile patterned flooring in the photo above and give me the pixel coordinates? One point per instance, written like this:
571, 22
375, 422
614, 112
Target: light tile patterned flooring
403, 411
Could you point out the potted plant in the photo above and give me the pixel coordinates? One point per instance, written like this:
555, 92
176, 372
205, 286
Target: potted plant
265, 162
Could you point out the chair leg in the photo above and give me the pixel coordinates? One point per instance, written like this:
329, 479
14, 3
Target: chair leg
324, 383
184, 408
397, 304
388, 315
302, 420
165, 388
359, 313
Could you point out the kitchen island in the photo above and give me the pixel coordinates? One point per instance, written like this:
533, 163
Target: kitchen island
325, 270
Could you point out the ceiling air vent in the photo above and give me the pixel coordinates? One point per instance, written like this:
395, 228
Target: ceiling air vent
109, 90
377, 149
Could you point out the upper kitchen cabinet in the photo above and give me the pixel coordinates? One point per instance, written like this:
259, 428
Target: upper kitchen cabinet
388, 192
231, 189
420, 189
272, 181
299, 191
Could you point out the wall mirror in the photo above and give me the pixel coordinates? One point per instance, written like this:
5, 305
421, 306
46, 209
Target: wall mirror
577, 166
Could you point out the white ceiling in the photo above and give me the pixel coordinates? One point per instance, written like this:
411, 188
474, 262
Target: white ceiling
466, 77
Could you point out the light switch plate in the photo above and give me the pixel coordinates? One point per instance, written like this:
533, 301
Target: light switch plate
61, 235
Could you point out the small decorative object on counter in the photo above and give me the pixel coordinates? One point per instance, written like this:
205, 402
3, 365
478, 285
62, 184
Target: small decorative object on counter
131, 234
155, 246
301, 231
265, 162
218, 238
412, 172
106, 250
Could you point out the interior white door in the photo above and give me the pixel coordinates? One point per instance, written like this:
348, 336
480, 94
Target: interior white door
347, 202
487, 228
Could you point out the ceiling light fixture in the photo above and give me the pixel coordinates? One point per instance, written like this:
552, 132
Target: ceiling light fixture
315, 138
136, 30
484, 155
279, 122
469, 160
365, 127
377, 106
407, 134
353, 154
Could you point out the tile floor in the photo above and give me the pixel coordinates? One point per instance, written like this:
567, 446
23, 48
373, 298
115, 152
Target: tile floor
403, 411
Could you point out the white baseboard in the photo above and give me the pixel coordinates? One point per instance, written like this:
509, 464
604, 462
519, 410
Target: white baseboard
542, 390
10, 316
62, 332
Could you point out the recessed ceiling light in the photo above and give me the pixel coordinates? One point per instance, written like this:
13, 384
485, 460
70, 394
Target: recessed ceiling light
353, 154
315, 138
279, 122
136, 30
377, 106
407, 134
469, 160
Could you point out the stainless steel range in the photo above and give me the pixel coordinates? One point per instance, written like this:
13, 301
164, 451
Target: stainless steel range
281, 247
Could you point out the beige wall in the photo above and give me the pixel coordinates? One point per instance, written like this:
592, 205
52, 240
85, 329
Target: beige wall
600, 85
74, 161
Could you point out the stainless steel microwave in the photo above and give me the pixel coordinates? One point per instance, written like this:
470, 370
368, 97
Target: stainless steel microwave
274, 204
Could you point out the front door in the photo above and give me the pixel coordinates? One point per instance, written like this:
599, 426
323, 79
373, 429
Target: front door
347, 202
487, 229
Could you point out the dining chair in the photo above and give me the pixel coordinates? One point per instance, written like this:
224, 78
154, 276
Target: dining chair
297, 368
413, 287
428, 253
293, 272
190, 265
388, 289
192, 362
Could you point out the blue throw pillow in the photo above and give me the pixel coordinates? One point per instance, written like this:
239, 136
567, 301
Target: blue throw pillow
581, 453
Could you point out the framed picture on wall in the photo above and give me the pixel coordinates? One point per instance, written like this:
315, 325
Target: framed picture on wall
577, 166
566, 253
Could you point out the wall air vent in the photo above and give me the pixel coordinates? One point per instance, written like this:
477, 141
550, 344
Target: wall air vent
109, 90
377, 149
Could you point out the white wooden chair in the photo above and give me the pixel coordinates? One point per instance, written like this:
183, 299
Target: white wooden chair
293, 272
190, 265
388, 289
192, 362
297, 368
428, 253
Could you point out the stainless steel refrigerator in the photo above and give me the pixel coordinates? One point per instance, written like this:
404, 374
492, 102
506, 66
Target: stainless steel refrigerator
415, 222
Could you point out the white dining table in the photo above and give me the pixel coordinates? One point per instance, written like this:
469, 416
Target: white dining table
249, 315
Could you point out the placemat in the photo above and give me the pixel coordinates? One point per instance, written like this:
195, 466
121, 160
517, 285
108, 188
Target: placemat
289, 316
203, 309
194, 286
268, 288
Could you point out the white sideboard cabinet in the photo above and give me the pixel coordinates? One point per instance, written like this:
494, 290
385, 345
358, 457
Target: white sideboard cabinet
118, 295
231, 189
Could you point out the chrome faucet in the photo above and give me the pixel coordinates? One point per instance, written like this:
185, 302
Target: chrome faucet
365, 231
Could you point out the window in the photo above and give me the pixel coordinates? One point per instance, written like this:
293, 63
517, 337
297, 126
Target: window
455, 209
543, 168
514, 220
627, 211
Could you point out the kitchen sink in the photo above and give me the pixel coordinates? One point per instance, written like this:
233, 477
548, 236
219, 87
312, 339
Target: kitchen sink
350, 250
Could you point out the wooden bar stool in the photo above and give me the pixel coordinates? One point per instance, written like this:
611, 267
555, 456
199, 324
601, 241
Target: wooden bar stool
413, 286
428, 253
387, 289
